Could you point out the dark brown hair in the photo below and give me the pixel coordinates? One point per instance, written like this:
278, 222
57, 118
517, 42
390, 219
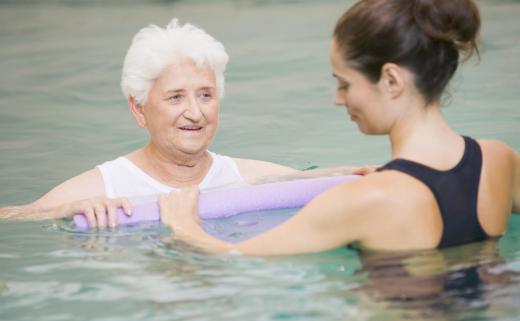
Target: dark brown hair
425, 36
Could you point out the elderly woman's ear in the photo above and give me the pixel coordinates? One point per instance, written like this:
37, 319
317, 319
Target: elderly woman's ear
137, 111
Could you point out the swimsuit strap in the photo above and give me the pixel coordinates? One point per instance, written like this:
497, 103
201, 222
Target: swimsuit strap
456, 193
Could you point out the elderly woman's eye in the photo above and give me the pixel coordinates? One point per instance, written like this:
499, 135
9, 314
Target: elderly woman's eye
206, 95
175, 98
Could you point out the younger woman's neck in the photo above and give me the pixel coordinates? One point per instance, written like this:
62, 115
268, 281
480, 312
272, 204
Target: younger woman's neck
423, 135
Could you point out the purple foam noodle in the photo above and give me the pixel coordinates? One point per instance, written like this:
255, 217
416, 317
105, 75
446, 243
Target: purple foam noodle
232, 201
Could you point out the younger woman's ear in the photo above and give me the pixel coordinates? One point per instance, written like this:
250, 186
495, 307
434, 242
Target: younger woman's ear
137, 111
393, 79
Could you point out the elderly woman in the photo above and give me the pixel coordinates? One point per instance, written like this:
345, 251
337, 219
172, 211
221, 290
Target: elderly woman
173, 81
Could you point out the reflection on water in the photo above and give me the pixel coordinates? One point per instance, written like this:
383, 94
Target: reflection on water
240, 227
468, 282
470, 279
137, 272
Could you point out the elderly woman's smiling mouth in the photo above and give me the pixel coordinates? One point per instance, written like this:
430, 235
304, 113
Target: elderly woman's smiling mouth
191, 128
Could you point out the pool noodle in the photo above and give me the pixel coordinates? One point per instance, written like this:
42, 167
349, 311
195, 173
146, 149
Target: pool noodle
232, 201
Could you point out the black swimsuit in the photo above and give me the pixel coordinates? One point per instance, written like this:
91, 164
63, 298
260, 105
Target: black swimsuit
456, 192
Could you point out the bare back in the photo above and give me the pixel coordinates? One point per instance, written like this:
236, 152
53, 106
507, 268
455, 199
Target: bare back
413, 215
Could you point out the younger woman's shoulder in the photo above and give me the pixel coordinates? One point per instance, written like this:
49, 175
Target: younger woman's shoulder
496, 146
498, 152
390, 186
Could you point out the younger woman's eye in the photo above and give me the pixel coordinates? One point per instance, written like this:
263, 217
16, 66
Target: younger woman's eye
343, 87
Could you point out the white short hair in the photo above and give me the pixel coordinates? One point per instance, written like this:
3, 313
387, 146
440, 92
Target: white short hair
154, 48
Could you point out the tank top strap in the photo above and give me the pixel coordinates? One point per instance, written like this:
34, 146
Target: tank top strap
223, 173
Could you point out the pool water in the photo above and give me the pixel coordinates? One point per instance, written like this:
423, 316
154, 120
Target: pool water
61, 113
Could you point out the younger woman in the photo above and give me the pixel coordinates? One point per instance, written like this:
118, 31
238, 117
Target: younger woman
392, 60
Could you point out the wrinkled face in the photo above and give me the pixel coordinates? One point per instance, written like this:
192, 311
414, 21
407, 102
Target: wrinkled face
363, 100
181, 113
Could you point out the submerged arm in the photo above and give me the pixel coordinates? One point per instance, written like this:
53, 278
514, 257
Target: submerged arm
29, 212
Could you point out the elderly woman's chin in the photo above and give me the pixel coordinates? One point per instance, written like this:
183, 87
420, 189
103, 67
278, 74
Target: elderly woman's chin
192, 145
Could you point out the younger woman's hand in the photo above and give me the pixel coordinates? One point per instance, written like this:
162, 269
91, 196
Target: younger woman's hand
365, 170
100, 211
179, 209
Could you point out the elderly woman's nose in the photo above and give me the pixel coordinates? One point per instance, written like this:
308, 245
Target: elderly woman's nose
193, 109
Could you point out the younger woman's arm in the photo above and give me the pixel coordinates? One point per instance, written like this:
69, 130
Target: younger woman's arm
337, 217
516, 185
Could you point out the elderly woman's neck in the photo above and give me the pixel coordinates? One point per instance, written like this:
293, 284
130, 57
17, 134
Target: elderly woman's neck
175, 168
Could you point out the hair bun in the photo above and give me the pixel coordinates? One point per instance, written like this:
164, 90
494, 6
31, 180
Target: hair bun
454, 21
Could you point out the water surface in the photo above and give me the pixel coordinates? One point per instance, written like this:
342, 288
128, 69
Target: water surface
61, 113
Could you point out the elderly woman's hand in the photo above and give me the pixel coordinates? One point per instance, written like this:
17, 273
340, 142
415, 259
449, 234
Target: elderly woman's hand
100, 211
179, 210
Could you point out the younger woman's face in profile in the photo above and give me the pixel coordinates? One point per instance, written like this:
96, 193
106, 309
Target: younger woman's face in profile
362, 99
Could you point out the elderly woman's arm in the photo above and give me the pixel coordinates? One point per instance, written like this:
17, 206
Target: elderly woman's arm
258, 172
81, 194
254, 171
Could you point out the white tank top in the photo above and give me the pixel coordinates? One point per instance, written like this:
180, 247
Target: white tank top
122, 178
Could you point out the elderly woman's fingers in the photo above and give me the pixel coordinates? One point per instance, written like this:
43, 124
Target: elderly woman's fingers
100, 215
112, 215
91, 218
99, 211
125, 205
111, 207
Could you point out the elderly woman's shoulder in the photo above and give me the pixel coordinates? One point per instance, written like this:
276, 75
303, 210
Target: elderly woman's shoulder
254, 170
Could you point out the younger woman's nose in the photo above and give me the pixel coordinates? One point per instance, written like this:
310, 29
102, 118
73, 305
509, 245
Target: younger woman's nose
339, 100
